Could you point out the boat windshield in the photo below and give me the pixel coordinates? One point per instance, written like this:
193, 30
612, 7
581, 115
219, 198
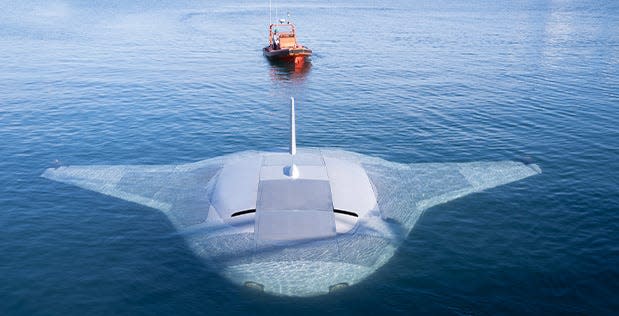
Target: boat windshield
282, 29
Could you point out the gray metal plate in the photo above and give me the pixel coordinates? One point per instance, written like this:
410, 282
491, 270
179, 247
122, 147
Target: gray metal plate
290, 210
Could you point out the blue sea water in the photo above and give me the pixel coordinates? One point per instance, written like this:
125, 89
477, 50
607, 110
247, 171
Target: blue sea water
161, 82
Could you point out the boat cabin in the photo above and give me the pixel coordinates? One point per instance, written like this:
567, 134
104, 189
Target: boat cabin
283, 36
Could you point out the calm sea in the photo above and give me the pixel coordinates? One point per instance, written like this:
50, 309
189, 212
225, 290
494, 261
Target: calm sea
160, 82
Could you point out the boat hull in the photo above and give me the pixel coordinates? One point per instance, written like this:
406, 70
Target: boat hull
286, 54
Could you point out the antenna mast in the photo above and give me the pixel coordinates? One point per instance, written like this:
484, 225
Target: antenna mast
292, 170
270, 18
293, 132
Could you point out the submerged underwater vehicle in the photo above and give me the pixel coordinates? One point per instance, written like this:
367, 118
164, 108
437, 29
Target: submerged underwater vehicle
302, 223
283, 45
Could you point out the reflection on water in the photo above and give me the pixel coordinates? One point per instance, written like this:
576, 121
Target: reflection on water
289, 71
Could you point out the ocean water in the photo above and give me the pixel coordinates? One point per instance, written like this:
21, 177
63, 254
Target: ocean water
161, 82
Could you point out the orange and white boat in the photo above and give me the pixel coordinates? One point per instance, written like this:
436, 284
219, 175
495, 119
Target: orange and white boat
283, 45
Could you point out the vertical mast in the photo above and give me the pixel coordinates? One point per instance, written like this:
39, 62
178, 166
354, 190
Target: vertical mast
293, 133
270, 18
292, 170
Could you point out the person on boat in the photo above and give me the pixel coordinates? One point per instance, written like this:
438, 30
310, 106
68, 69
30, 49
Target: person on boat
275, 40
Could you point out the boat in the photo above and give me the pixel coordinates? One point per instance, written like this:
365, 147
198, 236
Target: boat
283, 45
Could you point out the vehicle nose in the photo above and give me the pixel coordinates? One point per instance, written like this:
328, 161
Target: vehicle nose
297, 278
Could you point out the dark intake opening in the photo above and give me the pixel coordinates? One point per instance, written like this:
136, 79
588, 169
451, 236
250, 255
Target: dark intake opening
243, 212
346, 213
334, 211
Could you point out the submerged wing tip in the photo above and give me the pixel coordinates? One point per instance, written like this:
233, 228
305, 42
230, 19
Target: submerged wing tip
528, 161
47, 173
51, 173
534, 167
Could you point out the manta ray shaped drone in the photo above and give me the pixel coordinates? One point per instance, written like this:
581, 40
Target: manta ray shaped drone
302, 223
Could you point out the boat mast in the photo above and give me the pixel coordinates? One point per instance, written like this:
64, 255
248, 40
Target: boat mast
270, 18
